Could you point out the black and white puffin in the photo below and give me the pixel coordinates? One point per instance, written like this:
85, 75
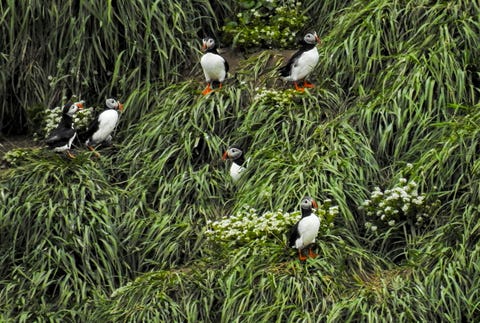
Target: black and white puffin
302, 63
215, 67
100, 129
304, 232
60, 139
238, 162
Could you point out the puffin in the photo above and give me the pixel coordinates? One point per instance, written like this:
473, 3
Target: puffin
100, 129
238, 162
215, 67
304, 232
302, 63
60, 139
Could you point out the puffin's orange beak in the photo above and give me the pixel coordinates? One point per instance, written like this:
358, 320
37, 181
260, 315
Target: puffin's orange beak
79, 105
314, 204
225, 155
317, 39
204, 46
120, 106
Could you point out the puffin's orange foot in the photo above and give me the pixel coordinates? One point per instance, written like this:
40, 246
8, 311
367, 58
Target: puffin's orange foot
207, 90
312, 254
69, 154
307, 84
300, 89
301, 256
97, 154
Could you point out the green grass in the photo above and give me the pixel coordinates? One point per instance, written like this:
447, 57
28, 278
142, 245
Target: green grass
121, 237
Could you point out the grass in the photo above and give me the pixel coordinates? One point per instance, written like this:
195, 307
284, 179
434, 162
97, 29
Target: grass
121, 237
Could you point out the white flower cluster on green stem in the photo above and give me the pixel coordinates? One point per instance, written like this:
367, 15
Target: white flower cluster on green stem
275, 98
398, 204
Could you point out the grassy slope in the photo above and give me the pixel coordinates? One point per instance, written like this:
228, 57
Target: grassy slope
121, 238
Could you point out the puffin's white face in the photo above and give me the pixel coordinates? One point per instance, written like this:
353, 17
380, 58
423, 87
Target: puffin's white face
308, 203
70, 110
311, 38
232, 153
114, 104
208, 43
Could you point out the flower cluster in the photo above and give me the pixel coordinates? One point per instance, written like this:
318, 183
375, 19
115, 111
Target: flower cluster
14, 157
401, 203
275, 98
51, 118
266, 23
248, 225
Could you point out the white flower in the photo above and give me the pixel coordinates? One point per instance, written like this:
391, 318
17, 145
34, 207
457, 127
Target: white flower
373, 228
391, 223
333, 210
419, 200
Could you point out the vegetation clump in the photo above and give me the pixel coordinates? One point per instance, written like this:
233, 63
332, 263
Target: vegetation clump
402, 203
15, 157
266, 24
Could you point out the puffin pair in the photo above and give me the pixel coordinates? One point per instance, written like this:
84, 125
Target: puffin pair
98, 132
238, 162
304, 232
302, 63
298, 68
61, 138
214, 66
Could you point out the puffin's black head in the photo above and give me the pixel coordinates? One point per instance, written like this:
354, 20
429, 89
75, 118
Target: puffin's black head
114, 104
311, 38
232, 153
307, 204
208, 43
70, 108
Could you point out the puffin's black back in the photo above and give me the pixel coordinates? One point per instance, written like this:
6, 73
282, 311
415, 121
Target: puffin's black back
293, 235
91, 129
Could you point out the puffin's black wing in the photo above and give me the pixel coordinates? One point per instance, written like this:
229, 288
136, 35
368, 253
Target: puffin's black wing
285, 70
226, 65
91, 129
293, 235
60, 134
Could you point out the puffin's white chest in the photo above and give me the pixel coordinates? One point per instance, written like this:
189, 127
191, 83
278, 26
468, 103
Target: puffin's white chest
107, 120
213, 67
307, 229
304, 65
236, 171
